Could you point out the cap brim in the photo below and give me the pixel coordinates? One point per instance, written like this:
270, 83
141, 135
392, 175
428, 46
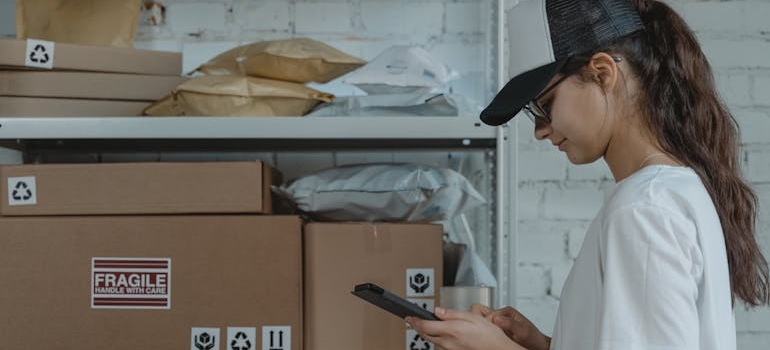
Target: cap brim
518, 92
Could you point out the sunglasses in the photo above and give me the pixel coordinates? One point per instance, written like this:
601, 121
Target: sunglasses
538, 113
534, 111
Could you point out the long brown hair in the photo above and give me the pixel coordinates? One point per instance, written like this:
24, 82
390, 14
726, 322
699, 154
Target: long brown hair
683, 111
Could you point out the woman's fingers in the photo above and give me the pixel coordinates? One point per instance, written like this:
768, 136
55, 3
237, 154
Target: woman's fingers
506, 317
507, 312
502, 321
450, 314
458, 330
440, 328
482, 310
430, 330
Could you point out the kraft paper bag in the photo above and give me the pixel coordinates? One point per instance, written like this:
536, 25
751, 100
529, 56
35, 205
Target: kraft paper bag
165, 107
234, 95
82, 22
300, 60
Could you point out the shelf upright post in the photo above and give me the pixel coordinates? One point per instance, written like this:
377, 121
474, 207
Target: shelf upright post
507, 180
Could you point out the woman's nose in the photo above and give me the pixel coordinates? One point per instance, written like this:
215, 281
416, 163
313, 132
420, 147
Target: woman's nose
542, 129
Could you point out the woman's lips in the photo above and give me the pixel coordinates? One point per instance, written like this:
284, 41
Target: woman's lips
561, 144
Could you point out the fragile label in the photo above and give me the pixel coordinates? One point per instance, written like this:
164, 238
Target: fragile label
131, 283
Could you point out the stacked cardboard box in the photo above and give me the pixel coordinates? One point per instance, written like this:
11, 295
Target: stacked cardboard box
137, 188
406, 259
147, 256
190, 255
40, 78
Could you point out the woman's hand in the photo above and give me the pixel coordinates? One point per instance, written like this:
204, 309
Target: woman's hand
516, 326
459, 330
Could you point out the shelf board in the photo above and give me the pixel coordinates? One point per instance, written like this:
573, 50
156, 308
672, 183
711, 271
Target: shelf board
247, 132
244, 128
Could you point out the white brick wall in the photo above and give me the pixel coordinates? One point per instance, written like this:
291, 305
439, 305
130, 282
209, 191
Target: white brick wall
323, 17
556, 200
735, 37
197, 16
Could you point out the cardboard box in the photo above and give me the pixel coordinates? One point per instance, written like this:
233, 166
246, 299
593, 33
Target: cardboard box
136, 188
25, 54
68, 107
88, 85
151, 282
403, 258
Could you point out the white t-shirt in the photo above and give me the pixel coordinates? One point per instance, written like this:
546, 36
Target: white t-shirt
652, 272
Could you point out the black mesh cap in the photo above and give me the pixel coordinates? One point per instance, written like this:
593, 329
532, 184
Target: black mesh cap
543, 34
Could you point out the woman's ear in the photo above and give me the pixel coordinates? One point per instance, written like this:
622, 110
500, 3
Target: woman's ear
604, 70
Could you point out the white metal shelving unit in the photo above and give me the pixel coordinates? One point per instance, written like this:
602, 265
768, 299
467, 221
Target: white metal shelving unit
43, 134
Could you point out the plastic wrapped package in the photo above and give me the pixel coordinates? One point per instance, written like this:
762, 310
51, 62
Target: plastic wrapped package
402, 69
382, 192
431, 105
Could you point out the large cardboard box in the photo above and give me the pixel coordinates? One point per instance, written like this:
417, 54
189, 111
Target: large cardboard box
137, 188
26, 54
87, 85
403, 258
151, 282
68, 107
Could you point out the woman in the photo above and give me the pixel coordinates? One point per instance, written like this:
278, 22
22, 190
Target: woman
673, 245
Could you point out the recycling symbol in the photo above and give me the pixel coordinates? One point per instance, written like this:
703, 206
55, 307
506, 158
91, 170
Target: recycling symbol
241, 342
39, 55
418, 343
21, 192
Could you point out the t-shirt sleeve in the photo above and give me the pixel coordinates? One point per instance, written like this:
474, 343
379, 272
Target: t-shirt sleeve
651, 266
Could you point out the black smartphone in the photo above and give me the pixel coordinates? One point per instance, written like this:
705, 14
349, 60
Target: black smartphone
391, 302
